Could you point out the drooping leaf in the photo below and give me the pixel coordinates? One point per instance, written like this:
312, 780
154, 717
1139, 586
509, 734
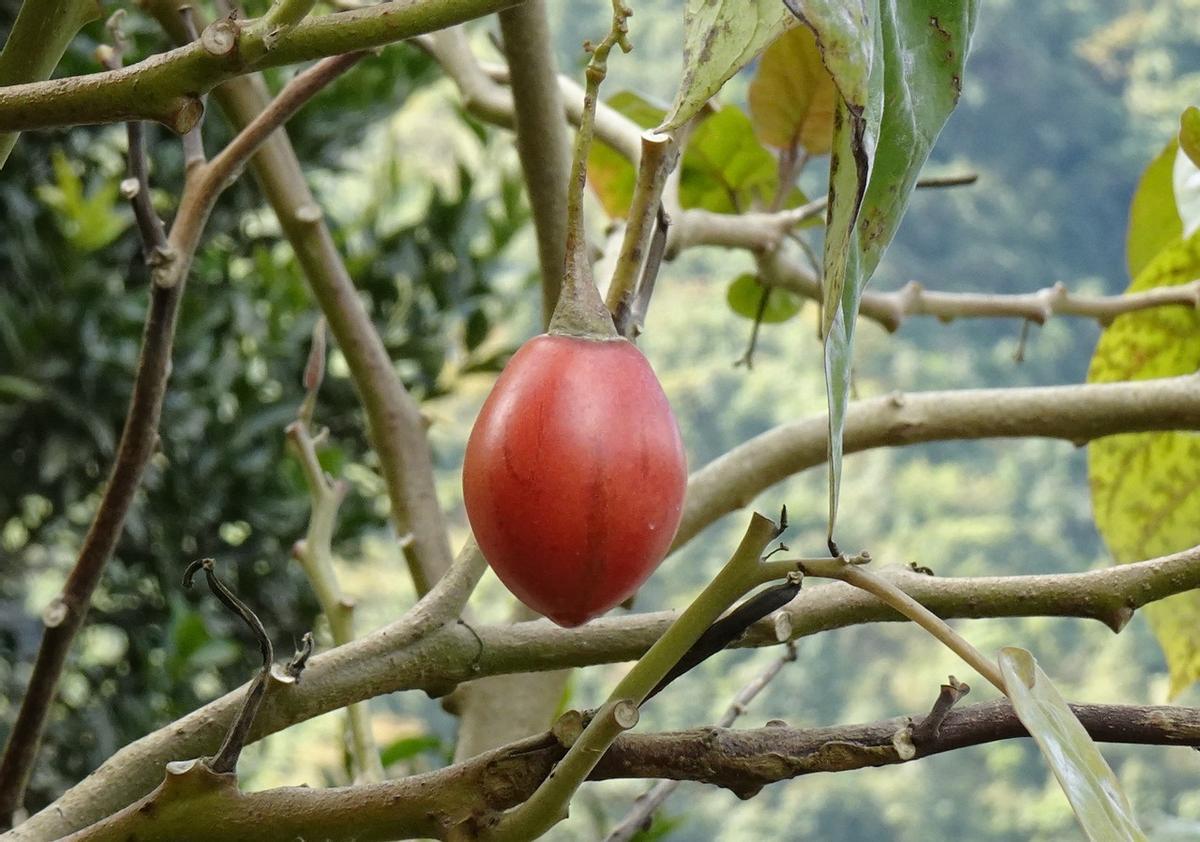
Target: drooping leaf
1189, 133
1153, 218
1094, 792
1146, 486
720, 38
893, 108
792, 95
609, 173
745, 297
725, 169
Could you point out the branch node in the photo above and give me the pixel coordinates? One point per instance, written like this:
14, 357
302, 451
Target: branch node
55, 612
930, 728
902, 742
220, 38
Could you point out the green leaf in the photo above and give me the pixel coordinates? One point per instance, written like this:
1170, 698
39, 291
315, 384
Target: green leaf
1146, 486
407, 748
745, 297
725, 169
609, 174
88, 221
1153, 218
720, 38
1189, 133
1095, 794
899, 69
792, 95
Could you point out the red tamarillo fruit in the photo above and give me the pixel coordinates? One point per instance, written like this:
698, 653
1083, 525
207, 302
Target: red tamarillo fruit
575, 475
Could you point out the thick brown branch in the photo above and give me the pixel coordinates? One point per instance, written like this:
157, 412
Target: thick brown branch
193, 806
396, 658
167, 87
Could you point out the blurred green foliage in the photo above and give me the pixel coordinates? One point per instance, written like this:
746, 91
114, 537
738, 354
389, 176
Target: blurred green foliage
71, 310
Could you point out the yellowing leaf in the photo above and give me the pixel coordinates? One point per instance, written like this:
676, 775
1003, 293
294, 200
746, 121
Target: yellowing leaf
1093, 790
1146, 486
792, 95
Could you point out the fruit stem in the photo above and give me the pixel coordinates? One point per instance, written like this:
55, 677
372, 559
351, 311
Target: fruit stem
581, 310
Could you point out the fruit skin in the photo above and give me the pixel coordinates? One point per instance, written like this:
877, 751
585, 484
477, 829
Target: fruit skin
574, 475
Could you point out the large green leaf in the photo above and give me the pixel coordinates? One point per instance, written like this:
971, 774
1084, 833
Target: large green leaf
1093, 790
792, 95
720, 38
896, 96
725, 168
1146, 486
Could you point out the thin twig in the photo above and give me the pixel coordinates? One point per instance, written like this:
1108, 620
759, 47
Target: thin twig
315, 555
930, 728
648, 803
650, 269
659, 156
225, 760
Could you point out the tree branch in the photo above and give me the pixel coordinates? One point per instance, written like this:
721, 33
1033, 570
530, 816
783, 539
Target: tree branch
542, 141
36, 43
167, 87
394, 424
743, 761
399, 657
1077, 414
891, 309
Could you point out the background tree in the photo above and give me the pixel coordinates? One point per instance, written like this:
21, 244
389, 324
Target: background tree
430, 263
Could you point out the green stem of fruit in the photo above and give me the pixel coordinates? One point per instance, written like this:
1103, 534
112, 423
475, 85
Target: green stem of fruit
581, 310
548, 805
